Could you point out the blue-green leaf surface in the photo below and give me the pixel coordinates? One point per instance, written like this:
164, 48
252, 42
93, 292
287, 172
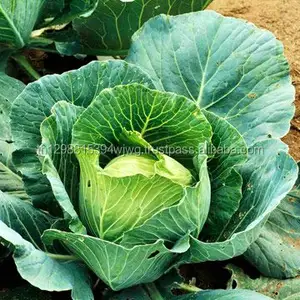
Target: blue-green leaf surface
226, 65
10, 88
45, 272
276, 253
10, 182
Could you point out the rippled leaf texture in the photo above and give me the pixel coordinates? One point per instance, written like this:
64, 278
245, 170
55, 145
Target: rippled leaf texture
268, 175
229, 150
276, 253
275, 289
226, 65
115, 21
34, 104
44, 272
117, 266
17, 19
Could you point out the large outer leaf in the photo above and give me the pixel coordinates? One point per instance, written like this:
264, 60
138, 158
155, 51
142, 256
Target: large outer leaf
34, 104
45, 272
276, 289
10, 182
22, 217
268, 175
115, 21
228, 66
10, 88
276, 253
17, 19
117, 266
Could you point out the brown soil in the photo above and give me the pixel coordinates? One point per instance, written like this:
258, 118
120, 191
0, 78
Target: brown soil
282, 17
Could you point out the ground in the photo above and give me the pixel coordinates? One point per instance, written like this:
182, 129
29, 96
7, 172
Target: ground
282, 17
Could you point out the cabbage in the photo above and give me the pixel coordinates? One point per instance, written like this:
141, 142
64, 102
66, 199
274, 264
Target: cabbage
172, 156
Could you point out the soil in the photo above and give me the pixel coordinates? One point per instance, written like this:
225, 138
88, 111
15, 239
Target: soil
282, 18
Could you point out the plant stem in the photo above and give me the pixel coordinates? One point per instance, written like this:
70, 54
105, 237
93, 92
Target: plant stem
188, 288
61, 256
24, 63
153, 292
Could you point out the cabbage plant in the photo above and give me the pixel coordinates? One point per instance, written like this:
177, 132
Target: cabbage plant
130, 168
